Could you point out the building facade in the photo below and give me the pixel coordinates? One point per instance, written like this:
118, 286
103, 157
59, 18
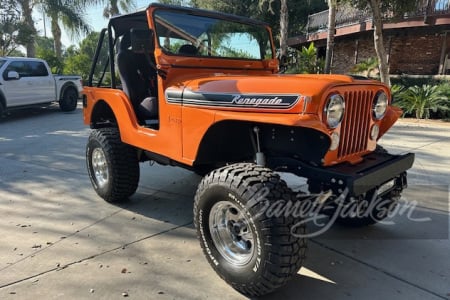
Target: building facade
417, 43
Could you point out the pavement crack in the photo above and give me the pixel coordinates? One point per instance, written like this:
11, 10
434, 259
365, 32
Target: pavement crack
320, 244
65, 266
60, 240
423, 146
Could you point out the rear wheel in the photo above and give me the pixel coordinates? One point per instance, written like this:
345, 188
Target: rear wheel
113, 166
253, 252
2, 109
69, 100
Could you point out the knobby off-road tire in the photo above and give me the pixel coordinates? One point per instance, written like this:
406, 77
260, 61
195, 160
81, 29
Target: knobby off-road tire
69, 100
112, 165
251, 251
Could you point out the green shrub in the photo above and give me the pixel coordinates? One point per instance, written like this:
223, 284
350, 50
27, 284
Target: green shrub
366, 67
423, 101
397, 91
408, 81
306, 62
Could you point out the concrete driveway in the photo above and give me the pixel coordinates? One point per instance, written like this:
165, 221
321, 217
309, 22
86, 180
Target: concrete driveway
59, 239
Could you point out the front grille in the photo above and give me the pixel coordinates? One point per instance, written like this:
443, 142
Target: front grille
356, 123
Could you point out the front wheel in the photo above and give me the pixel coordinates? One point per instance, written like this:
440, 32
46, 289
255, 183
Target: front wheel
113, 166
69, 99
253, 251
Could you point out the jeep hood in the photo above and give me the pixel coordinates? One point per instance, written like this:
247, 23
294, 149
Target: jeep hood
278, 93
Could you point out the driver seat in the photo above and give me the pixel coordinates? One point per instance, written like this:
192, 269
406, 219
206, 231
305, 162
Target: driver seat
138, 78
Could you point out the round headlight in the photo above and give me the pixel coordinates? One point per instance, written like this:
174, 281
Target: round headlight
334, 110
380, 104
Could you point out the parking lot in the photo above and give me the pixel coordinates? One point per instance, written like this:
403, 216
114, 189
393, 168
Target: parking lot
59, 239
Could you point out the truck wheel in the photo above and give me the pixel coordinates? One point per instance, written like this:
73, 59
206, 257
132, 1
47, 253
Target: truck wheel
378, 213
113, 166
69, 100
253, 252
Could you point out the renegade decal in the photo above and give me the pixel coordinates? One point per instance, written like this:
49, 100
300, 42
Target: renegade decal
240, 100
282, 101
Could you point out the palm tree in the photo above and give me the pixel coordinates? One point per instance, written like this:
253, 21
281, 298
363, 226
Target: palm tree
383, 65
420, 100
284, 23
112, 7
332, 8
70, 14
27, 20
69, 11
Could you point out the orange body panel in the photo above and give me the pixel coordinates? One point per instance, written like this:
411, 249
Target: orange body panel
165, 141
182, 127
185, 115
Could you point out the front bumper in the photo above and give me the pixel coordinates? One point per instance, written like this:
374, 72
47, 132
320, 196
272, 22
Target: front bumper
375, 170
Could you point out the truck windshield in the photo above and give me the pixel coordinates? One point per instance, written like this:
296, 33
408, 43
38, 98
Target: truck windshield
181, 33
2, 62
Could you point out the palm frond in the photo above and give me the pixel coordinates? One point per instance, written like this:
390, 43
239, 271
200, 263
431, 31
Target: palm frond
421, 100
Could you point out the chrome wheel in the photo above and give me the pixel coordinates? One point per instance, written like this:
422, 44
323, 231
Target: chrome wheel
232, 233
100, 167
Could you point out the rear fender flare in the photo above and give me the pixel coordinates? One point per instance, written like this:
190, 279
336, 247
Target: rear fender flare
118, 108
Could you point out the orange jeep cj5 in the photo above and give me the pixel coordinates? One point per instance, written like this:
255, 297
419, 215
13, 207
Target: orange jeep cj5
202, 90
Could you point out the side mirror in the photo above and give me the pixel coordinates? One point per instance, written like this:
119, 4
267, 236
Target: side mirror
142, 40
12, 75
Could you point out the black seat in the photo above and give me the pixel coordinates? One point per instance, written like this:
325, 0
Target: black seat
137, 76
188, 49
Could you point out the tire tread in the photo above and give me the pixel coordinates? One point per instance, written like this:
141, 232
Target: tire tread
125, 164
285, 252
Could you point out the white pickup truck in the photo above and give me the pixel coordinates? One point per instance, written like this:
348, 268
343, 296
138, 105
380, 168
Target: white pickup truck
29, 81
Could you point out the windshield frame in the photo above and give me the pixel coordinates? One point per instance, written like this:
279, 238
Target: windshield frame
230, 19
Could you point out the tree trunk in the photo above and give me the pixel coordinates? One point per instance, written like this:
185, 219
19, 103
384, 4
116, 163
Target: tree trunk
378, 41
28, 20
114, 8
332, 7
56, 32
284, 23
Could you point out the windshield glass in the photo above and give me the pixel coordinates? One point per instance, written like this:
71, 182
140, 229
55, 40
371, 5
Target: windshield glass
2, 61
181, 33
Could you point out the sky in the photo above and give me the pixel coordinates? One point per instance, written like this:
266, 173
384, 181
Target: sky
94, 17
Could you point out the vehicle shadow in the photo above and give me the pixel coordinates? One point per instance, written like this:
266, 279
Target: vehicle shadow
35, 111
342, 263
165, 194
